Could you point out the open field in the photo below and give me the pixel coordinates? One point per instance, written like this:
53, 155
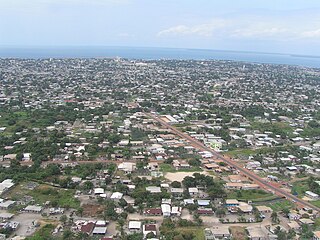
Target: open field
198, 232
179, 176
43, 193
238, 233
280, 205
252, 195
164, 167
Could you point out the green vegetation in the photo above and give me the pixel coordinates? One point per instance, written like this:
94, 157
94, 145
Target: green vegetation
277, 128
165, 167
280, 205
43, 193
252, 195
299, 188
44, 233
196, 232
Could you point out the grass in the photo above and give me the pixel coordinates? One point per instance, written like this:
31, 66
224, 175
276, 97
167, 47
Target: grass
316, 203
44, 232
299, 188
196, 231
238, 233
280, 205
241, 152
165, 167
253, 195
43, 193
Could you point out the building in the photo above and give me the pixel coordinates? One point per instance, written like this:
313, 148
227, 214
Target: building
87, 227
176, 192
221, 232
6, 216
312, 195
194, 192
134, 226
5, 185
316, 235
7, 204
99, 230
166, 210
232, 203
153, 189
205, 211
153, 211
149, 228
256, 233
33, 209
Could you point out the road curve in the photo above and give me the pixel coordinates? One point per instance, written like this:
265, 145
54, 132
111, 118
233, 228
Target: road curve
255, 178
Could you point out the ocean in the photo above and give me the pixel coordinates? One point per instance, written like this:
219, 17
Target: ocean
148, 53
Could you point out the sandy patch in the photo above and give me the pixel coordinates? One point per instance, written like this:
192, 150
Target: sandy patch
179, 176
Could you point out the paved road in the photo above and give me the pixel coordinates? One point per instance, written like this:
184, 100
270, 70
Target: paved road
269, 186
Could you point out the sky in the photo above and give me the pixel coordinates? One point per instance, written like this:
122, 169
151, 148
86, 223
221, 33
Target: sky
276, 26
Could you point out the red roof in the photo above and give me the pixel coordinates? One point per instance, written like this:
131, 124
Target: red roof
153, 211
204, 211
150, 227
87, 228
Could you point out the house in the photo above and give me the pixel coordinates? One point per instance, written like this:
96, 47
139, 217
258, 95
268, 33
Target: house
312, 195
194, 192
116, 196
245, 207
264, 209
134, 226
127, 167
316, 235
232, 203
203, 203
235, 178
98, 191
221, 232
99, 230
205, 211
176, 211
6, 216
5, 185
180, 164
294, 225
256, 233
166, 210
153, 211
166, 201
188, 201
233, 185
176, 192
9, 157
307, 221
250, 186
33, 209
149, 228
87, 227
153, 189
7, 204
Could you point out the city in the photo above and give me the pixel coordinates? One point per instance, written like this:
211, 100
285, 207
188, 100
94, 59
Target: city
116, 148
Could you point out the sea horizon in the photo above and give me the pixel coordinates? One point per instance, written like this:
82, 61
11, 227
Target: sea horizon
158, 53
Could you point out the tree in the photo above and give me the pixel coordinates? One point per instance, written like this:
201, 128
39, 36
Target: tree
150, 235
220, 212
176, 184
63, 219
87, 185
274, 218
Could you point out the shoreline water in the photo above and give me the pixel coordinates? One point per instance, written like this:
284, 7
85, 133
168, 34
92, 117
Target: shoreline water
148, 53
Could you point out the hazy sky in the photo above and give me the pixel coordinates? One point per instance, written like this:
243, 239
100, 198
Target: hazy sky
288, 26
